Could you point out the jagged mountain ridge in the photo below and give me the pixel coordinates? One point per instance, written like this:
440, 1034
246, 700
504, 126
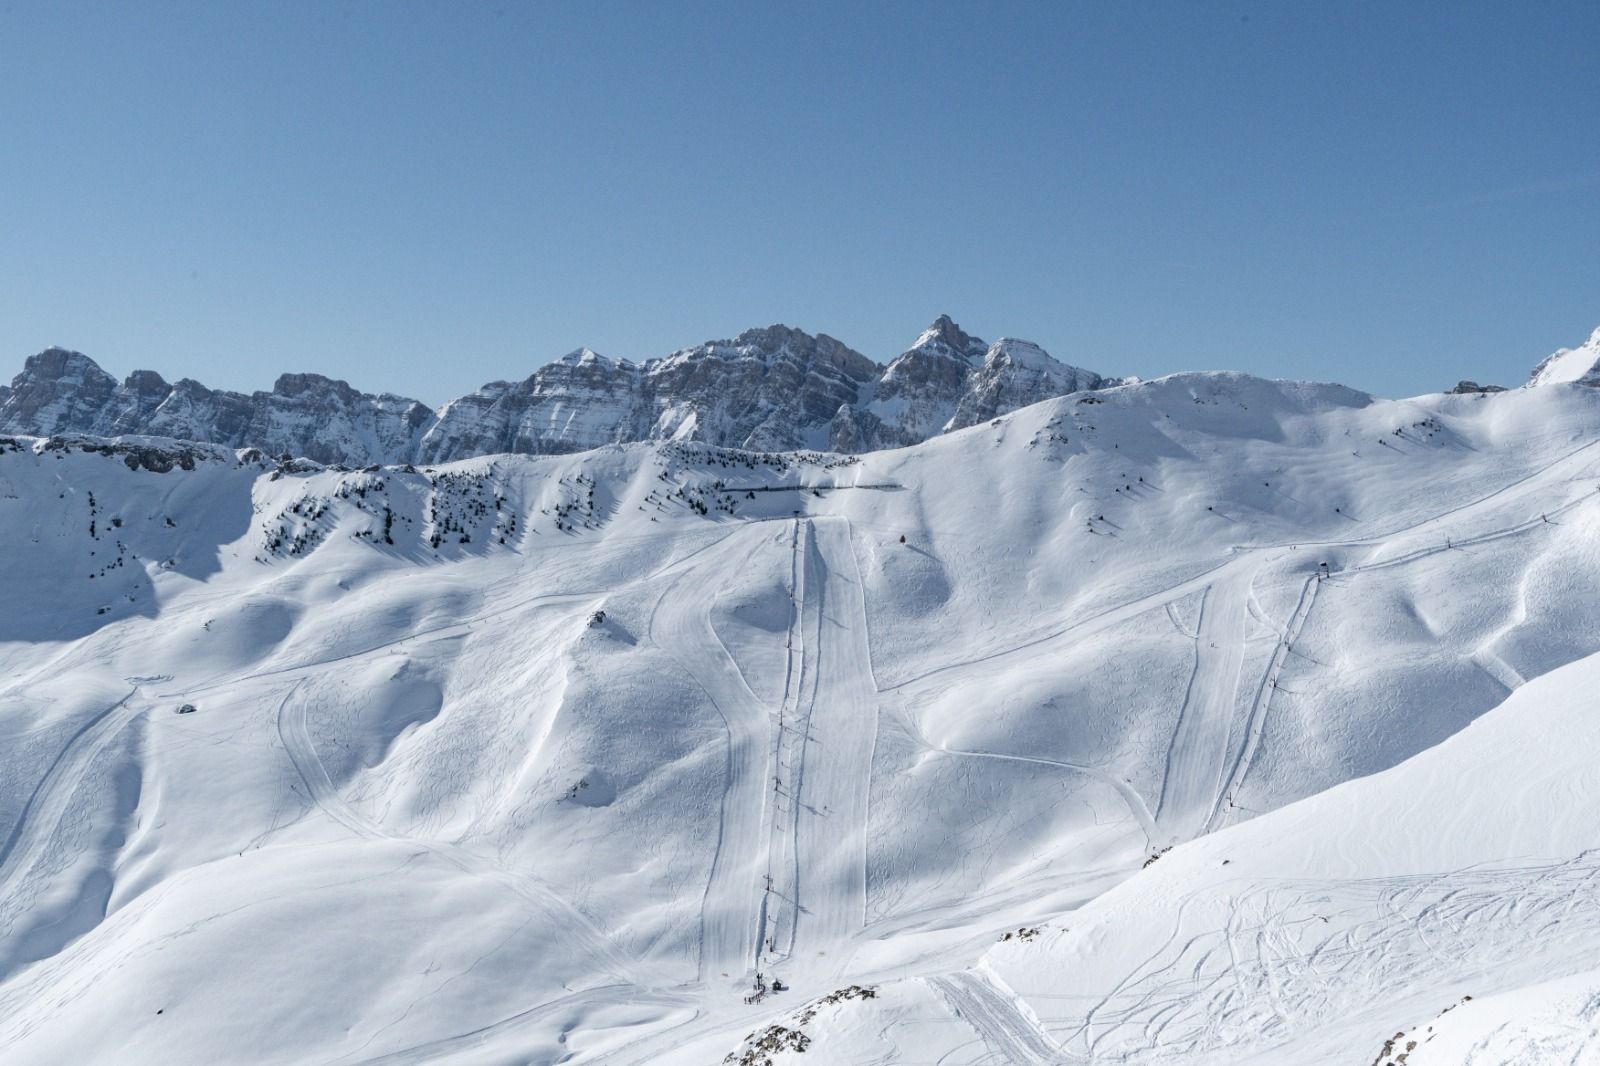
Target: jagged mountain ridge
769, 389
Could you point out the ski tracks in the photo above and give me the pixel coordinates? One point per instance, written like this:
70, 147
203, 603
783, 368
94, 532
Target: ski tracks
295, 734
681, 624
40, 816
1268, 686
840, 729
997, 1014
1199, 747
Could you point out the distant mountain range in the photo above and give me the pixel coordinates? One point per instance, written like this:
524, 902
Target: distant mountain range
771, 389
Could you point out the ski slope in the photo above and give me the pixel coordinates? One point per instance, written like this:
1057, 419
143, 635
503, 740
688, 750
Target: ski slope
546, 759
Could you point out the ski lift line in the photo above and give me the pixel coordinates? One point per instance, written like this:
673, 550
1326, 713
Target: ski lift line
794, 670
881, 486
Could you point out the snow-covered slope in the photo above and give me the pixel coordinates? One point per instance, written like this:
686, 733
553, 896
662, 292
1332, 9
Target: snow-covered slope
1441, 912
544, 758
769, 389
1580, 365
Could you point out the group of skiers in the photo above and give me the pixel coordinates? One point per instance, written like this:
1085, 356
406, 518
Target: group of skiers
762, 988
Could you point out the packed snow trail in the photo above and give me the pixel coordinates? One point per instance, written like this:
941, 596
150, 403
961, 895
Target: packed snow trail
1199, 750
1262, 704
496, 610
1564, 470
997, 1016
839, 730
681, 624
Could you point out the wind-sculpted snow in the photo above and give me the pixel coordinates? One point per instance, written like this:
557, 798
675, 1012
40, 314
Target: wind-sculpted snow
1166, 721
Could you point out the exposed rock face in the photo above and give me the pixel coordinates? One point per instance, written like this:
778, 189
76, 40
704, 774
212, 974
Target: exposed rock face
62, 392
1015, 374
768, 389
1579, 366
950, 380
918, 393
582, 400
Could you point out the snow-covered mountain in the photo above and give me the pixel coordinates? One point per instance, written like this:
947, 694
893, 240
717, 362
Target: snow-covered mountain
769, 389
1203, 719
64, 392
1580, 365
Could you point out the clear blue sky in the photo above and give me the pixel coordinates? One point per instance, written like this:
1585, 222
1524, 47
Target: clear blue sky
423, 197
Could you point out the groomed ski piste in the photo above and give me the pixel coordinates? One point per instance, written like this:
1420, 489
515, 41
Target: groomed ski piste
1205, 720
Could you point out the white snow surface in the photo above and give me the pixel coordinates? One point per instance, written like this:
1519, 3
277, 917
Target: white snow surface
1567, 365
544, 758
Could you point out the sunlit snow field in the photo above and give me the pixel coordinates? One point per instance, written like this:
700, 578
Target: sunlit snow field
544, 759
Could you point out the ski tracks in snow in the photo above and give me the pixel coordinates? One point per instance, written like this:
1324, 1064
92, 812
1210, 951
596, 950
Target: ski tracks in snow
997, 1014
838, 731
681, 624
788, 881
40, 816
296, 737
1199, 747
1265, 690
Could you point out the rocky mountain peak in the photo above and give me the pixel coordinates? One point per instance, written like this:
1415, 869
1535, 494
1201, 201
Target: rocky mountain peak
146, 383
63, 365
58, 390
945, 338
297, 385
772, 388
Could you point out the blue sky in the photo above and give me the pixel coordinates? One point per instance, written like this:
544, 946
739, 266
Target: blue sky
423, 197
